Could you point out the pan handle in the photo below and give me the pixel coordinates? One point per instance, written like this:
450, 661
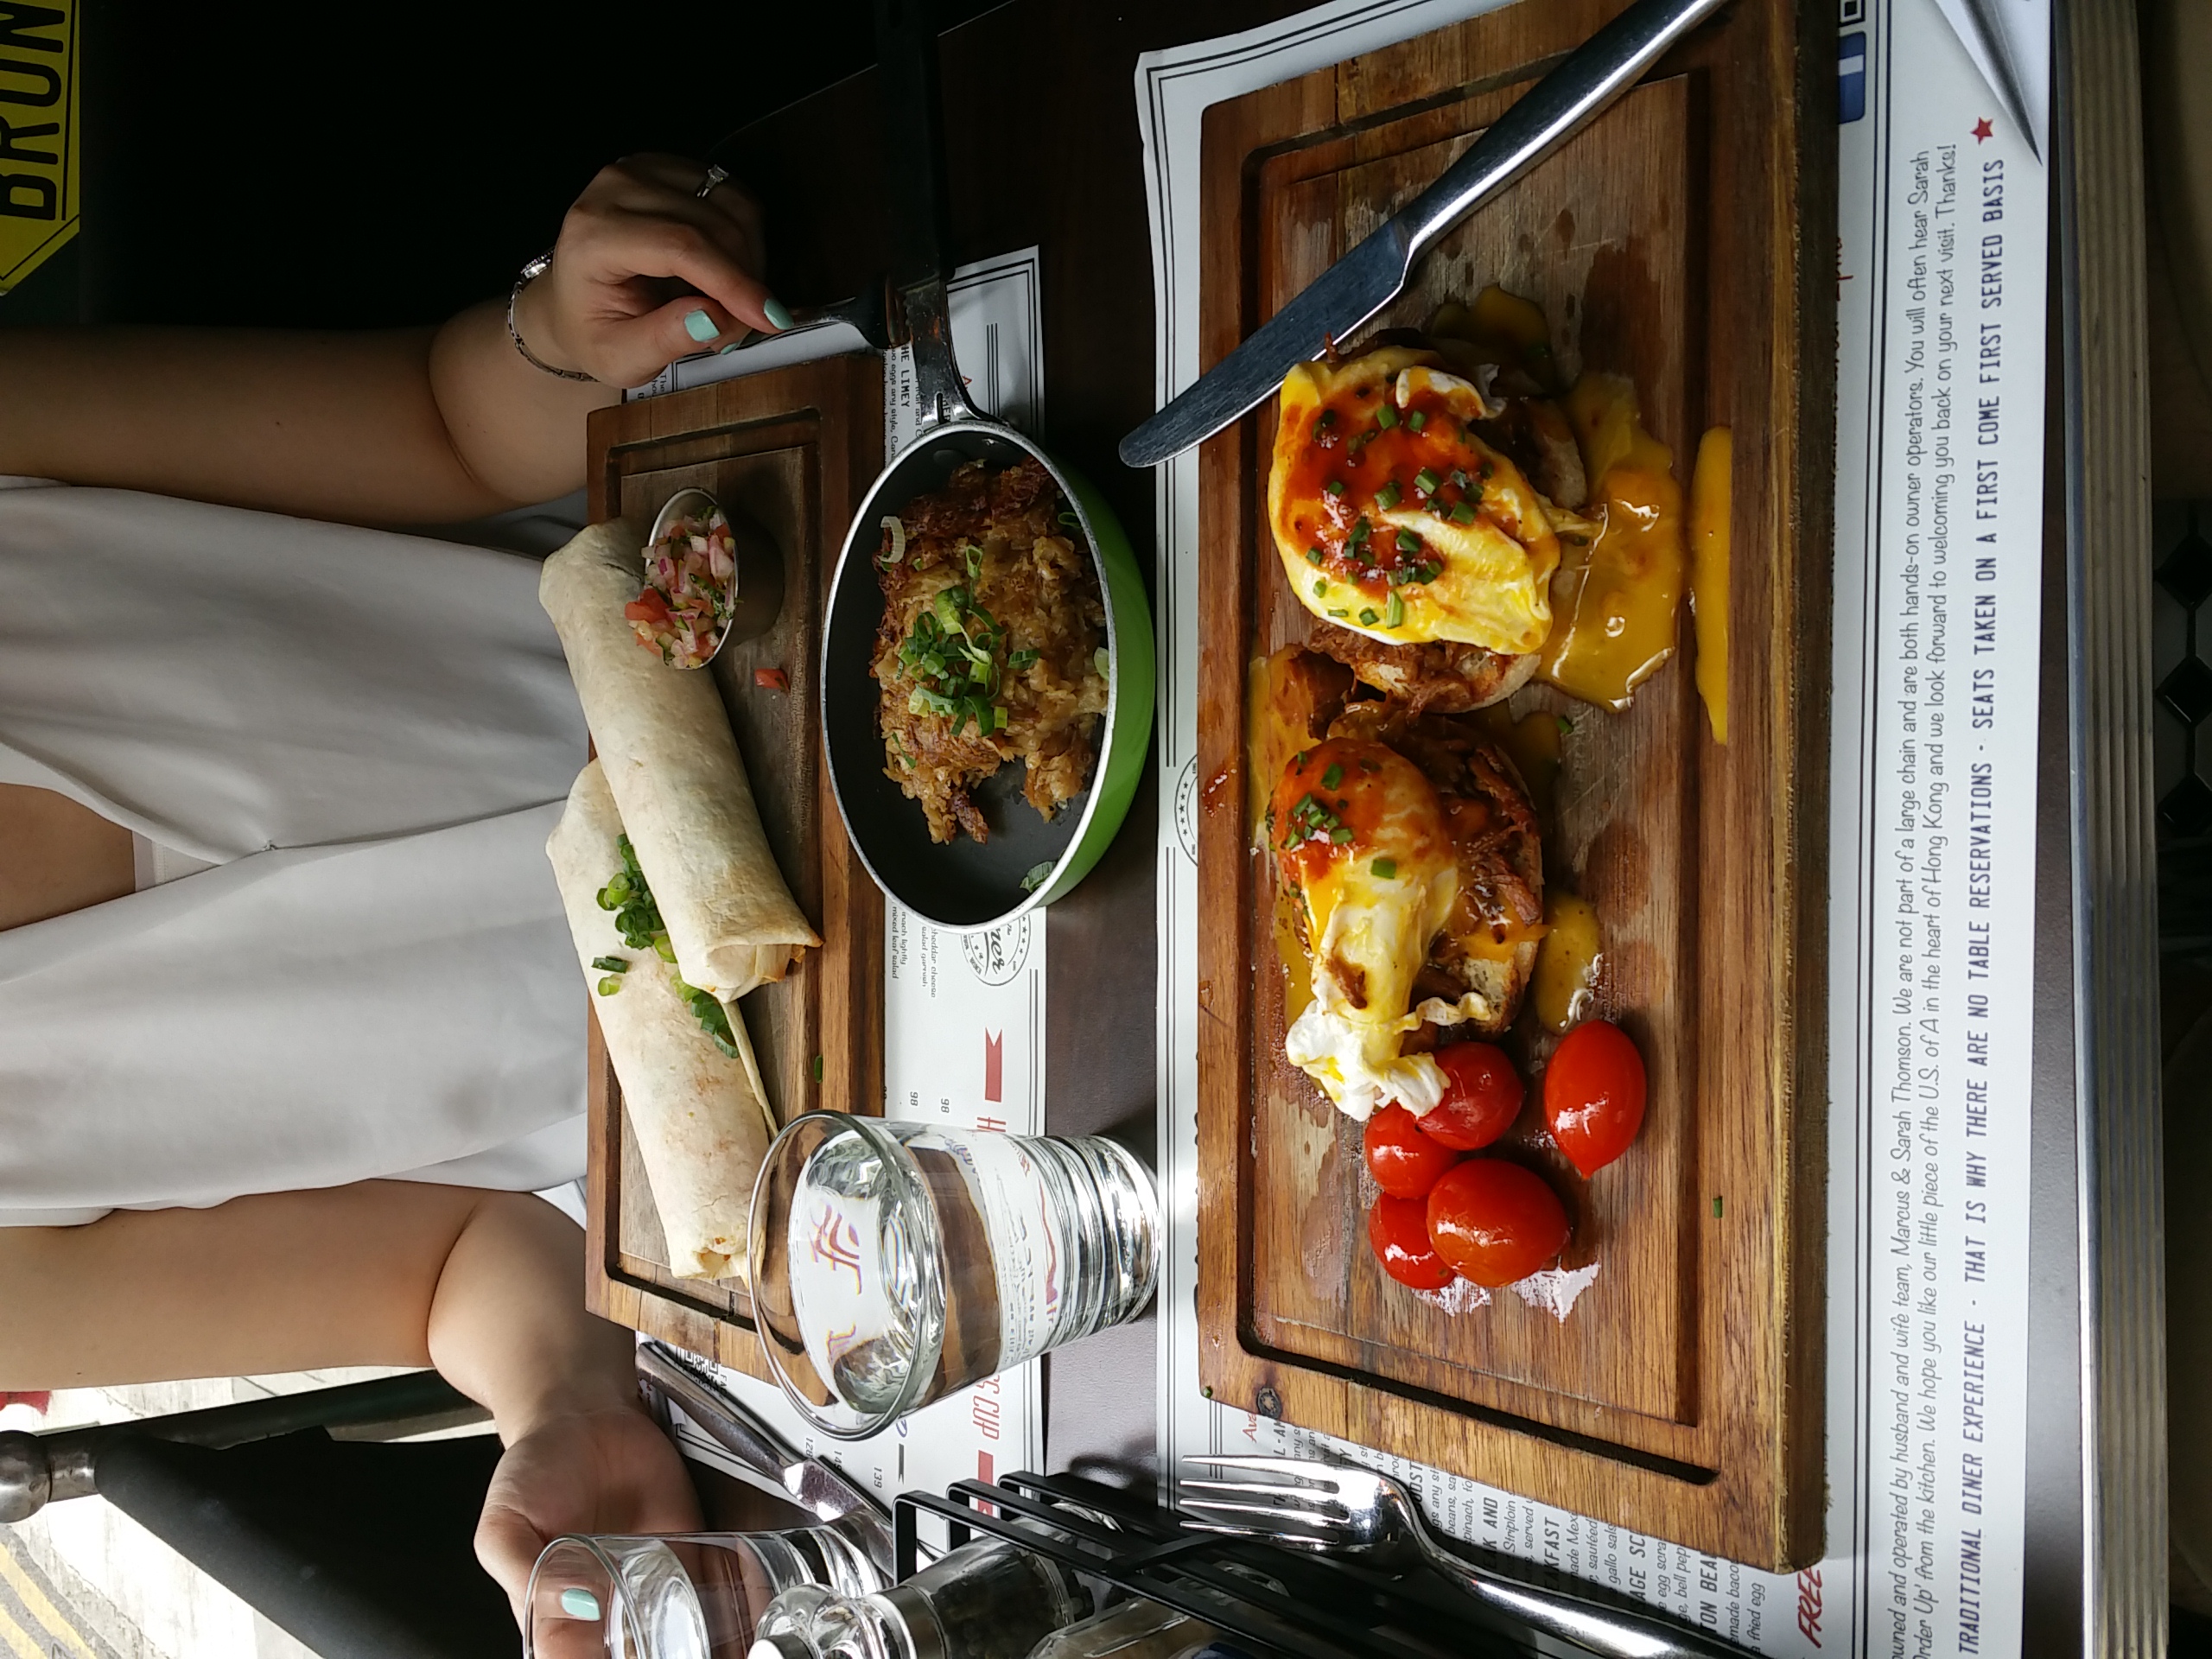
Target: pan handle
913, 133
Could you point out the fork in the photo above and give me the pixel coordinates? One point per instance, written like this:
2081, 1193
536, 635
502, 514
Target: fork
1312, 1503
869, 312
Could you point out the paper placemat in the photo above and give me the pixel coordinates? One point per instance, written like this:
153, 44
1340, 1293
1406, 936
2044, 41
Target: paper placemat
1939, 550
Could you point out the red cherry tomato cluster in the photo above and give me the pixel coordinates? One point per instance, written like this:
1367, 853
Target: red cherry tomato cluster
1444, 1216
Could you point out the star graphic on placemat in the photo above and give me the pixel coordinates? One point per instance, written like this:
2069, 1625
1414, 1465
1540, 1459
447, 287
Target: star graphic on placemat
1982, 129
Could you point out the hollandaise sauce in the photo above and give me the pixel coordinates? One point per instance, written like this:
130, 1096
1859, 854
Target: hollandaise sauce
1709, 488
1614, 601
1394, 518
1567, 960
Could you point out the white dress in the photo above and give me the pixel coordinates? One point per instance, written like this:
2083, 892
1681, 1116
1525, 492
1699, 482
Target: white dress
369, 736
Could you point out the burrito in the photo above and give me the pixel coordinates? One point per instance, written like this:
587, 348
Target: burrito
701, 1120
673, 762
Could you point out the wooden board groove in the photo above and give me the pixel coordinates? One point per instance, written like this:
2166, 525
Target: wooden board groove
1683, 1396
794, 448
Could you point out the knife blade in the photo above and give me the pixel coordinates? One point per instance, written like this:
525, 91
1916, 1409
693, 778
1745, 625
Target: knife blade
821, 1489
1981, 31
1373, 274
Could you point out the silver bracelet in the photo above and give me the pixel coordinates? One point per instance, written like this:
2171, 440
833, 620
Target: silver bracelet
530, 273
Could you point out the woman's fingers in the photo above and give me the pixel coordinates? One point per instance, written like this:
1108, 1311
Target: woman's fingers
639, 229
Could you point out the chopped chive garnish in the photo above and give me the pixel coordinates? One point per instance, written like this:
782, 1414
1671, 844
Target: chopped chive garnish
1071, 521
1463, 514
1388, 496
1367, 615
1565, 724
999, 718
1333, 777
1386, 417
611, 964
1427, 572
1334, 487
1385, 867
1341, 834
1304, 755
1101, 661
1339, 612
1415, 421
611, 984
1313, 556
1408, 541
1039, 874
1459, 477
1021, 659
1360, 530
1320, 588
1426, 481
1394, 611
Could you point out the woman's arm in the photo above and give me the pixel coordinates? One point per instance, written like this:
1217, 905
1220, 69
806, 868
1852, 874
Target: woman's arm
487, 1286
402, 426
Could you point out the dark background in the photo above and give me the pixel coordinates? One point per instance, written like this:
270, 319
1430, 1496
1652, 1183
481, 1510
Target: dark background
351, 165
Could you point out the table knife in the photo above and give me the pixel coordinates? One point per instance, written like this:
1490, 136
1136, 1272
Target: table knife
1374, 273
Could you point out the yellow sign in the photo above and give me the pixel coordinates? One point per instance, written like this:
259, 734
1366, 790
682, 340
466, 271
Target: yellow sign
38, 134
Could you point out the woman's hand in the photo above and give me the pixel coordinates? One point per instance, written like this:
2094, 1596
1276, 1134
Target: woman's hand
605, 1469
647, 270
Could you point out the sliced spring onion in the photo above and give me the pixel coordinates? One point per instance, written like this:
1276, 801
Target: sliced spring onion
611, 964
897, 551
1388, 496
1415, 421
1320, 588
1361, 530
973, 556
1463, 514
1408, 541
1368, 616
1426, 481
999, 718
611, 984
1334, 487
662, 949
1038, 876
1021, 659
1313, 556
1102, 663
1339, 612
1386, 417
1333, 776
1394, 614
1341, 834
1071, 521
1386, 868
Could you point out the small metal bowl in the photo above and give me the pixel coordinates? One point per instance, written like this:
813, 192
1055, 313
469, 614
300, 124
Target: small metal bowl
756, 586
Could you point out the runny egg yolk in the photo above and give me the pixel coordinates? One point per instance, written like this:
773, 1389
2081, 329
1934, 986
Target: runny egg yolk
1360, 838
1394, 519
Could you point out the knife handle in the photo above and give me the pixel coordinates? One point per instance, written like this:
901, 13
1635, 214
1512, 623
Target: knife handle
914, 140
1553, 110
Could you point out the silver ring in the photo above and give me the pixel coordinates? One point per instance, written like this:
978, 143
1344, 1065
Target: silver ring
714, 177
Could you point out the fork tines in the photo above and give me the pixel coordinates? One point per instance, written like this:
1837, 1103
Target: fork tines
1300, 1509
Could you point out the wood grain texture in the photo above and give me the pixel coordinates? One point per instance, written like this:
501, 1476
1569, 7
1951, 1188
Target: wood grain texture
1683, 1396
793, 449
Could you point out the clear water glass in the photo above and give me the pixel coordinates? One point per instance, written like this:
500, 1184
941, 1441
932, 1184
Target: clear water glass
685, 1596
989, 1599
893, 1263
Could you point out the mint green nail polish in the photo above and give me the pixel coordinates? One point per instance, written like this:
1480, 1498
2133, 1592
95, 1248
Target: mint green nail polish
726, 349
579, 1604
700, 327
777, 312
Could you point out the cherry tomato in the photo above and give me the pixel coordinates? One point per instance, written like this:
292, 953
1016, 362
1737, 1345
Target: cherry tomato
1397, 1231
1404, 1162
1481, 1096
1593, 1093
1495, 1222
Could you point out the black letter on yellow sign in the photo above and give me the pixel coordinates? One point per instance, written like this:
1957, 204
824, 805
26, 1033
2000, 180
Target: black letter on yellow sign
11, 152
42, 196
16, 15
39, 71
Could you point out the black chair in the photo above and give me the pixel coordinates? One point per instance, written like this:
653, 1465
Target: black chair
360, 1548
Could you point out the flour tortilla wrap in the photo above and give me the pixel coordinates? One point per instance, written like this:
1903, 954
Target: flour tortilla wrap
670, 759
702, 1121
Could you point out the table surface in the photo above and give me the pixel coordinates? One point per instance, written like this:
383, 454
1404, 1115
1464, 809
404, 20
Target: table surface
1042, 148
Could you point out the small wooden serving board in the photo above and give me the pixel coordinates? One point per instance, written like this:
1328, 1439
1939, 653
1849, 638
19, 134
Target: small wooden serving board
1682, 1396
793, 449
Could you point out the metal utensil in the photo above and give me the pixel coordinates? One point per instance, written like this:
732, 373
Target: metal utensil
1313, 1504
1374, 273
821, 1489
868, 314
964, 886
756, 587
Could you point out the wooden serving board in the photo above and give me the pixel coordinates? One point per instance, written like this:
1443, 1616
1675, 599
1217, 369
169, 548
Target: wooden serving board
1682, 1395
793, 449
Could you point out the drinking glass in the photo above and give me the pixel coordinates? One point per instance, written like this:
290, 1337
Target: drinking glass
893, 1263
684, 1596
